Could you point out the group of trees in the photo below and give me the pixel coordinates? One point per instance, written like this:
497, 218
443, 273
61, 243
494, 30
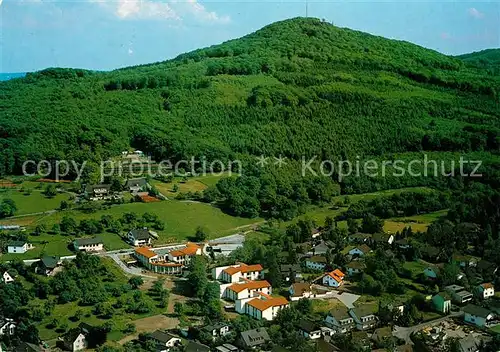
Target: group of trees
69, 226
271, 193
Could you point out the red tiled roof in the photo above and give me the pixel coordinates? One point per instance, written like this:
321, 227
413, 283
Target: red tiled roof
243, 268
487, 285
145, 252
190, 250
263, 304
337, 275
251, 285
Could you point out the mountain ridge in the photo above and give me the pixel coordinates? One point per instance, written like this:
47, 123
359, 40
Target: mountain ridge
277, 90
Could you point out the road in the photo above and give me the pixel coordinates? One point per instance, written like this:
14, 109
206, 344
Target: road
405, 333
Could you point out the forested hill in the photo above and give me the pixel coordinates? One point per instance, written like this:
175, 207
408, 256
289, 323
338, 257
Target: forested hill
296, 87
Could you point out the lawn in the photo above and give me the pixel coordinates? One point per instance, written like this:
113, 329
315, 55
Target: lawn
32, 203
181, 220
191, 185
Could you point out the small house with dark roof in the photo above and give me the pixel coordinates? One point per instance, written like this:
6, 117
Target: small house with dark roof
217, 330
139, 237
479, 316
290, 272
485, 291
26, 347
194, 346
359, 238
254, 338
94, 244
300, 290
360, 251
47, 265
340, 320
355, 267
316, 262
135, 185
309, 329
364, 315
403, 243
97, 192
75, 340
382, 238
6, 277
18, 247
442, 302
164, 340
7, 326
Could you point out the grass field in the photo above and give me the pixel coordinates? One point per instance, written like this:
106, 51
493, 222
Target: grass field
191, 185
181, 220
33, 203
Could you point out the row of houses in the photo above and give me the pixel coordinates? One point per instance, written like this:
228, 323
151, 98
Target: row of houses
104, 192
244, 285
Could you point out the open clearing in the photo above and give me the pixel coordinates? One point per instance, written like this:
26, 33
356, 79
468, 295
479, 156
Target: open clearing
151, 324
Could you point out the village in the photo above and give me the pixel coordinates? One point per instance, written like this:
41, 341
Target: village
363, 322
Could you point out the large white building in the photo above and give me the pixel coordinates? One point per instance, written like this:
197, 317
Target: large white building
237, 273
265, 307
246, 289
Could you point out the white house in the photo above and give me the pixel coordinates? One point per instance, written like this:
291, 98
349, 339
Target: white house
316, 263
478, 316
247, 289
360, 251
7, 326
75, 340
237, 273
165, 340
486, 290
184, 255
139, 237
309, 329
18, 247
334, 278
340, 320
6, 278
364, 316
94, 244
265, 307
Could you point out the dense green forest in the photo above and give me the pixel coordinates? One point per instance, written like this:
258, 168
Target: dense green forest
299, 88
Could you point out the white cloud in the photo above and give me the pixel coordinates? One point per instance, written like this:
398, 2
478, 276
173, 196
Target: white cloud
475, 13
176, 10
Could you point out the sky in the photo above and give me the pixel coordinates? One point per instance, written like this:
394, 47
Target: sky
108, 34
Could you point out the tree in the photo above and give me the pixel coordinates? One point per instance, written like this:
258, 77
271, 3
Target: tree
179, 309
352, 225
200, 235
274, 272
63, 205
197, 277
50, 191
56, 229
135, 281
68, 224
7, 208
372, 224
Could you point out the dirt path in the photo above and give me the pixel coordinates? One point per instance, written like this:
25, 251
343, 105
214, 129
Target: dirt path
151, 324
